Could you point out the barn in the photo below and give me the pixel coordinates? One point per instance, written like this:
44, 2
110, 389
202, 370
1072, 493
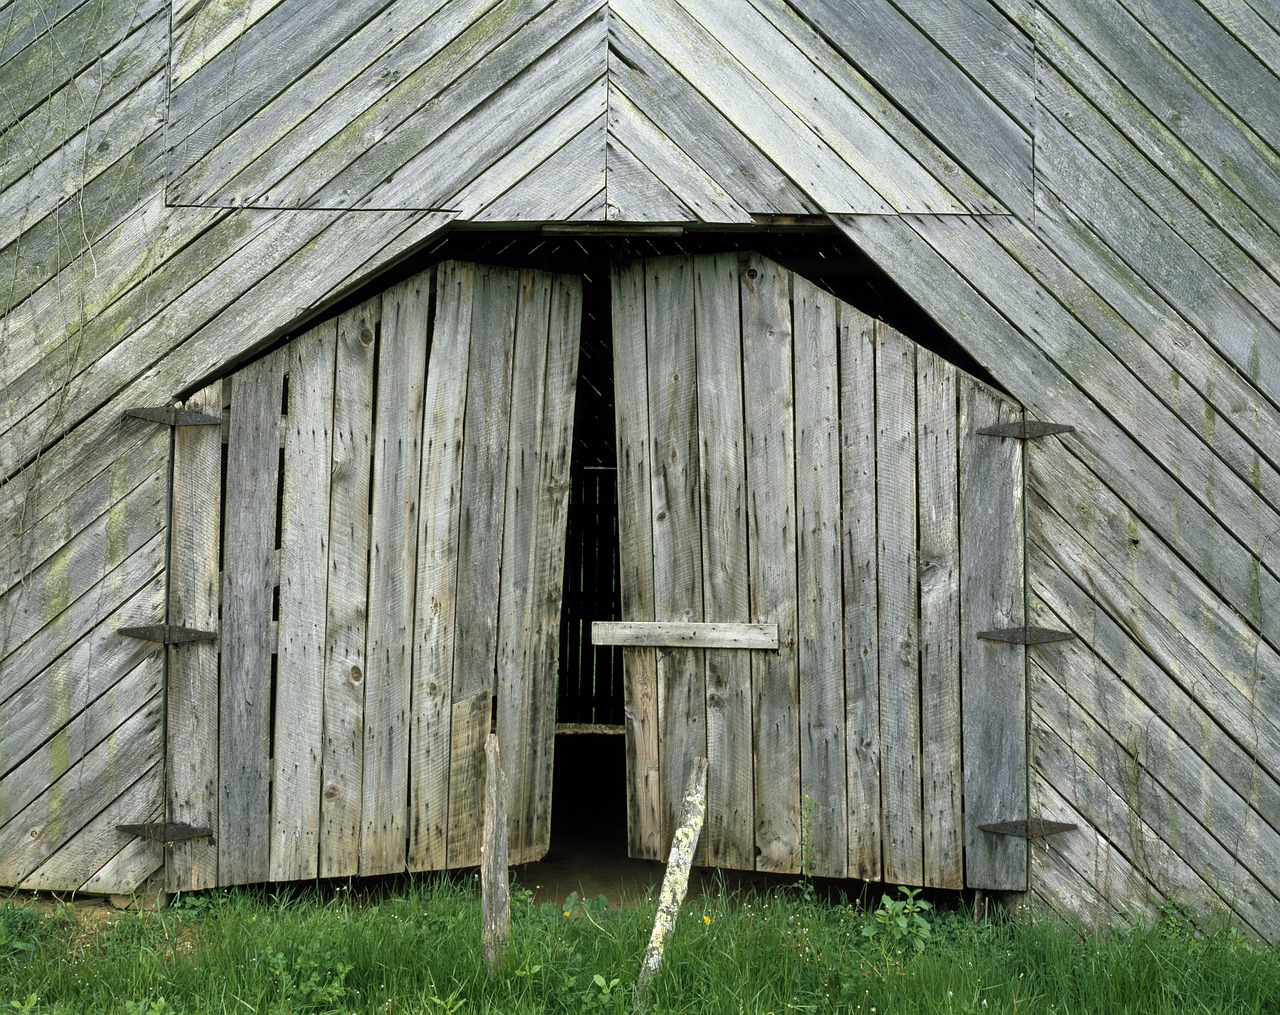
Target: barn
878, 398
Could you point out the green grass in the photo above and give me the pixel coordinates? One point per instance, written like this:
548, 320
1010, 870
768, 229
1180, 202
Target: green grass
784, 951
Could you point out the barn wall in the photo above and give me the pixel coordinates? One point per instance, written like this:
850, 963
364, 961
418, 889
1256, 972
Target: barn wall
1105, 244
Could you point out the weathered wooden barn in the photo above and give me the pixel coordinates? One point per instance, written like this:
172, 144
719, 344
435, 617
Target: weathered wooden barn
311, 307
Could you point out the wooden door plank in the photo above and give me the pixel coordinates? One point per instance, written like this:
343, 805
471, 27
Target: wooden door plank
470, 724
346, 616
936, 449
304, 566
898, 583
820, 649
517, 629
994, 696
729, 836
860, 541
438, 520
635, 550
768, 397
393, 548
249, 538
678, 634
547, 577
191, 707
677, 542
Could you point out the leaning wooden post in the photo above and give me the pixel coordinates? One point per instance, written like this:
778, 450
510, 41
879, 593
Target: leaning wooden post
676, 882
495, 893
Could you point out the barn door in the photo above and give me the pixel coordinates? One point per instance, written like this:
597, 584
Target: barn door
783, 459
390, 533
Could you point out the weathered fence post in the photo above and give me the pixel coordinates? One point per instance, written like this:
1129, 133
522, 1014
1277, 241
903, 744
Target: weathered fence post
676, 882
495, 893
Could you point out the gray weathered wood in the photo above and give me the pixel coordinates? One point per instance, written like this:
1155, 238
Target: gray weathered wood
768, 397
346, 592
730, 834
191, 693
994, 702
859, 549
393, 547
939, 536
635, 549
470, 726
248, 545
897, 496
819, 608
677, 540
494, 891
298, 750
674, 634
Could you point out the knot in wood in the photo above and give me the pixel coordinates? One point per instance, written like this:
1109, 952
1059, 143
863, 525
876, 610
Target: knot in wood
357, 675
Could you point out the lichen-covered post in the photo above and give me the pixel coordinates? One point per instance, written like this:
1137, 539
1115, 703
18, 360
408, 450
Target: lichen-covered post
494, 890
676, 882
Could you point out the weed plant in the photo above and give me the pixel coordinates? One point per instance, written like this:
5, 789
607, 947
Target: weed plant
787, 950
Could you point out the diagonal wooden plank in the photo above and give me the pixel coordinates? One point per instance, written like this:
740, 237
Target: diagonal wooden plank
634, 193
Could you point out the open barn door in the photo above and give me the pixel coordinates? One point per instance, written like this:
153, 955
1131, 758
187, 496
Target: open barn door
377, 539
784, 459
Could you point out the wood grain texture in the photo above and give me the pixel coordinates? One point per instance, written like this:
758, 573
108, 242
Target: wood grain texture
859, 543
677, 634
435, 611
470, 725
191, 693
635, 549
937, 422
819, 606
346, 591
729, 833
993, 675
298, 749
897, 582
769, 400
393, 549
677, 540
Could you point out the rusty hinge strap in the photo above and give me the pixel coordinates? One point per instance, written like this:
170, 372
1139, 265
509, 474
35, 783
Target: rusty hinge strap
1025, 635
1026, 430
161, 831
168, 634
171, 415
1031, 828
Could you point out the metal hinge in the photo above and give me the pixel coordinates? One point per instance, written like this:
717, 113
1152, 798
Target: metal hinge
166, 831
1025, 635
1030, 828
168, 634
1026, 430
171, 415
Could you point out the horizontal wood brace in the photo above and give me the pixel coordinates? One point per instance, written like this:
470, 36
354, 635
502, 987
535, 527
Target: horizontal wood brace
676, 634
1028, 828
610, 229
168, 634
1025, 635
1026, 430
166, 831
171, 415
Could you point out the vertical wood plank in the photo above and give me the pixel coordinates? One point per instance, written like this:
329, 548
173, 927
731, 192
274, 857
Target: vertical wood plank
393, 546
860, 564
677, 542
435, 611
518, 633
936, 422
552, 487
994, 693
253, 456
304, 566
470, 724
896, 497
820, 649
485, 437
346, 617
768, 395
635, 545
191, 722
729, 838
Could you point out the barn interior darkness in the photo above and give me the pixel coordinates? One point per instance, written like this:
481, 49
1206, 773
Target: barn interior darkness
589, 794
